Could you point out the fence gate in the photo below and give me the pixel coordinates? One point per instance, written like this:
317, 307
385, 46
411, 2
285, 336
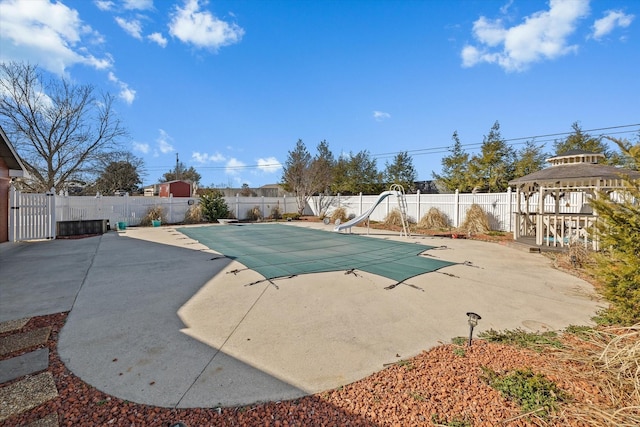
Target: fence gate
31, 216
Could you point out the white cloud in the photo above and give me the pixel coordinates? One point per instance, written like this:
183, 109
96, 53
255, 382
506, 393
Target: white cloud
612, 20
269, 165
542, 35
491, 33
49, 34
381, 115
133, 27
142, 147
164, 142
158, 38
201, 28
234, 166
138, 4
207, 158
104, 5
127, 94
505, 8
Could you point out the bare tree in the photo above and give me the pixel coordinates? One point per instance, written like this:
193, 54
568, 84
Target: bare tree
296, 176
322, 170
59, 129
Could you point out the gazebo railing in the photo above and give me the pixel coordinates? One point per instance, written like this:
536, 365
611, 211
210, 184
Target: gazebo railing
557, 230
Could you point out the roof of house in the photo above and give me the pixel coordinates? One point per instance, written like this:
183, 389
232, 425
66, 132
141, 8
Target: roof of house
176, 180
8, 153
576, 176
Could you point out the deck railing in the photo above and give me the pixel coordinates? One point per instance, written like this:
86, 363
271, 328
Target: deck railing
557, 230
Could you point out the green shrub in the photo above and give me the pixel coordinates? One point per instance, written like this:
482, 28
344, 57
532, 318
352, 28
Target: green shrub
533, 340
293, 215
532, 392
214, 206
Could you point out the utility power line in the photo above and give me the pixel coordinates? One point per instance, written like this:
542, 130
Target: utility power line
440, 149
524, 139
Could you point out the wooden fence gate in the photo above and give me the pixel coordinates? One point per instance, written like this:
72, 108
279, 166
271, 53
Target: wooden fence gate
31, 216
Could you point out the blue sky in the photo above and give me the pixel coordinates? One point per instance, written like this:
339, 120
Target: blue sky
232, 85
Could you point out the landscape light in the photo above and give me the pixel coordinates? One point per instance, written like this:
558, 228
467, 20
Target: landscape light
473, 322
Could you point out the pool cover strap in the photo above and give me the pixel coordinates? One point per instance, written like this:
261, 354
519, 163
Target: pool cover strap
277, 250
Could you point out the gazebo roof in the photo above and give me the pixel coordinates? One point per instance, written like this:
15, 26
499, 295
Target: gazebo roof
576, 169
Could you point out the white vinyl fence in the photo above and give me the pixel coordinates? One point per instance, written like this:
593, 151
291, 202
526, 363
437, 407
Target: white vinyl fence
131, 210
498, 206
34, 216
31, 216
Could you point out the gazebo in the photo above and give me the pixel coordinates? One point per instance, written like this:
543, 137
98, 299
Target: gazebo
560, 194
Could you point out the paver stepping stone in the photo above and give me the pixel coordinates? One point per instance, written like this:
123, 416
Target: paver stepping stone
26, 394
13, 325
23, 340
25, 364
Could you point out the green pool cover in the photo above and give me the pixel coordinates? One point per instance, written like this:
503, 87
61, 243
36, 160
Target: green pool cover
277, 250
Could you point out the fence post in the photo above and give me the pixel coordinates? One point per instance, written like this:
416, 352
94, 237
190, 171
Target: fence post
360, 204
418, 206
510, 212
127, 214
456, 208
237, 205
13, 212
171, 208
51, 214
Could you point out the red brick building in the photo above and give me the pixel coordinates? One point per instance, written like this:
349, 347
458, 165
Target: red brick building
10, 167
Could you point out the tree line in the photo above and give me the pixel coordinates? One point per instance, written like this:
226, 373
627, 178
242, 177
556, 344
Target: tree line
305, 175
497, 163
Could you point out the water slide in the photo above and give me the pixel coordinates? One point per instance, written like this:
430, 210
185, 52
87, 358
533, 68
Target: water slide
368, 213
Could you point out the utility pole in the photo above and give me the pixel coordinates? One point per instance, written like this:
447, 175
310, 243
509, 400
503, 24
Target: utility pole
177, 167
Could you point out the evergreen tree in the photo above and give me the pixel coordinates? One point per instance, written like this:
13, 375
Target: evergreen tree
580, 140
214, 206
322, 168
493, 168
618, 266
182, 173
357, 173
401, 171
529, 159
455, 169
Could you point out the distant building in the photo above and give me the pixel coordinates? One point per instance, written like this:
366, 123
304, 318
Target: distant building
427, 187
176, 188
152, 190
